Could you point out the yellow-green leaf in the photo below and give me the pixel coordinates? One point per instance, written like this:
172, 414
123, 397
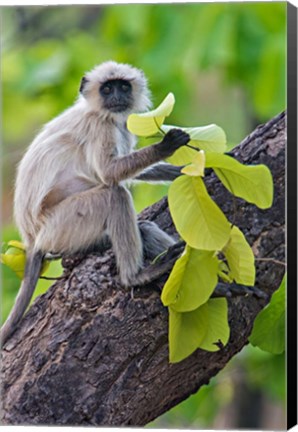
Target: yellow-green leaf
15, 259
197, 218
44, 267
253, 183
196, 168
210, 138
240, 258
183, 156
17, 244
269, 331
147, 124
218, 331
192, 280
186, 332
224, 272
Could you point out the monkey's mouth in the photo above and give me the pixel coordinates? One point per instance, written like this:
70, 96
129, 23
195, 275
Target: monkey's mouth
118, 107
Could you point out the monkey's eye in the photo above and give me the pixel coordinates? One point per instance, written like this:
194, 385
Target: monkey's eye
106, 89
125, 87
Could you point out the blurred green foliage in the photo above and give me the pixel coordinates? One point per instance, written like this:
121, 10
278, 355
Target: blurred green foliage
225, 63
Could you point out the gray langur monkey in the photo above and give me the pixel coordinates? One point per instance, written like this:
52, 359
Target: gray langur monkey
70, 189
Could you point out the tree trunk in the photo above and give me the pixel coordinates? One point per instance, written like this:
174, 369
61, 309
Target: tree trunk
88, 352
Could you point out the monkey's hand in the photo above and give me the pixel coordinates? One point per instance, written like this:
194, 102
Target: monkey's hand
173, 140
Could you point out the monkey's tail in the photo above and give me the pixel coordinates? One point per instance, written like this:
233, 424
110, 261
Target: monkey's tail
32, 272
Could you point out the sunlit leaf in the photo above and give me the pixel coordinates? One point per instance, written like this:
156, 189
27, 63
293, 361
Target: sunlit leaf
17, 244
147, 124
196, 168
192, 280
218, 331
269, 327
210, 138
15, 259
224, 272
253, 183
197, 218
240, 258
186, 332
45, 266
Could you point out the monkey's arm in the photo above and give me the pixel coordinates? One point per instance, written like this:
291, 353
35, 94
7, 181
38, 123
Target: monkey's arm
161, 171
125, 167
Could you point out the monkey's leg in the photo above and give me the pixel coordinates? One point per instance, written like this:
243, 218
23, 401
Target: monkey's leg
163, 265
130, 240
124, 233
101, 246
155, 240
126, 237
76, 223
81, 220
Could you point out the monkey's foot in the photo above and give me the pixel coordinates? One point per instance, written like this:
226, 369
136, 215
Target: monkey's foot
52, 256
162, 265
234, 290
173, 252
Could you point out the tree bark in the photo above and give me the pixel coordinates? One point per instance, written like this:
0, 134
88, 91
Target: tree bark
89, 353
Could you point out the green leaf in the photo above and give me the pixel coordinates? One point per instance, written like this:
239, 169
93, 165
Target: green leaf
240, 258
218, 331
197, 218
17, 244
183, 156
192, 280
206, 327
147, 124
197, 167
224, 272
269, 327
15, 259
186, 332
253, 183
44, 267
210, 138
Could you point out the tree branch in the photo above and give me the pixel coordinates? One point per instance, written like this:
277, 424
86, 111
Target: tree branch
88, 353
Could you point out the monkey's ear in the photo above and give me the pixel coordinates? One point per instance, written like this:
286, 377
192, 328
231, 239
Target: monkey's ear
83, 83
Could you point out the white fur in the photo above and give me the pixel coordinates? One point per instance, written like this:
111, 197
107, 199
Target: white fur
77, 143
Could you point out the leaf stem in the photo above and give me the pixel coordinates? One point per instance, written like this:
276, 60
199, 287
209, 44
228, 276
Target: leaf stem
192, 147
158, 127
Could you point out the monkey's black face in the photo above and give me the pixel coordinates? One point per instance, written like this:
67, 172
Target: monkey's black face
116, 95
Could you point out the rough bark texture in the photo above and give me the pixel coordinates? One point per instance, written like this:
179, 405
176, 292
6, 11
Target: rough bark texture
88, 353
